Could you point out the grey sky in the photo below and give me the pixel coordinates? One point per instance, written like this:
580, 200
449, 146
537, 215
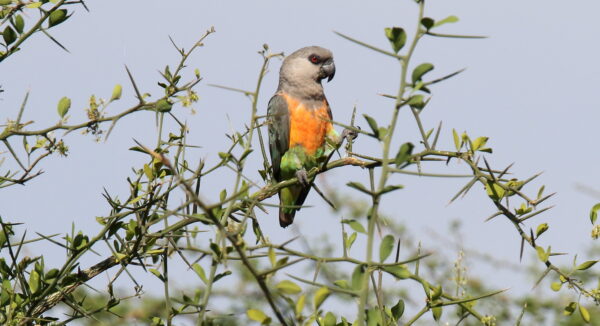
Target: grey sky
532, 87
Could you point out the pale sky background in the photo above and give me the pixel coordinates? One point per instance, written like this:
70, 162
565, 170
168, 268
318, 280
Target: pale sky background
532, 87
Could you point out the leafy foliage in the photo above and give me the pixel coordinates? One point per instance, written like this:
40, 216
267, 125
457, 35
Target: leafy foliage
164, 220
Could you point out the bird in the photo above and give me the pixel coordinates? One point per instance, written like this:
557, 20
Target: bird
301, 134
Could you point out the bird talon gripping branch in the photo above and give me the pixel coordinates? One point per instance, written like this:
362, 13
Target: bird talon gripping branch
348, 135
300, 129
303, 177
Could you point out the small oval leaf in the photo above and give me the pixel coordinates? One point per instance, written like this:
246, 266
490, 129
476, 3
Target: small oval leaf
356, 226
586, 265
386, 247
63, 106
398, 271
358, 277
373, 124
256, 315
404, 154
449, 19
300, 305
116, 94
427, 22
320, 296
397, 37
398, 309
9, 35
555, 286
585, 314
541, 229
57, 17
34, 281
288, 287
570, 309
593, 212
19, 24
421, 70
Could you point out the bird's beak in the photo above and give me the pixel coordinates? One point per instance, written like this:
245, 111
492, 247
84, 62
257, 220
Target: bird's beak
328, 70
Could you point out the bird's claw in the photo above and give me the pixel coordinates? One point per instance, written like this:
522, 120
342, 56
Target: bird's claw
302, 177
349, 134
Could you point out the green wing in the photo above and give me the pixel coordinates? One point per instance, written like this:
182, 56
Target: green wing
279, 132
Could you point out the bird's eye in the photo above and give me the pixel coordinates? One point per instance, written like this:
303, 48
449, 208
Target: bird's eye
314, 58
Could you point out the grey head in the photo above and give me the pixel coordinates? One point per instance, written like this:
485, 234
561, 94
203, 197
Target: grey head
302, 72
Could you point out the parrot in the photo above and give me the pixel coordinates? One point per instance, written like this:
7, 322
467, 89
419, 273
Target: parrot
301, 134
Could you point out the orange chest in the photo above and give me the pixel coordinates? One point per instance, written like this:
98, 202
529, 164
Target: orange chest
308, 127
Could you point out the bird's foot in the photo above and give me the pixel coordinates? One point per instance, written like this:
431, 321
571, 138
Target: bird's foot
349, 134
302, 177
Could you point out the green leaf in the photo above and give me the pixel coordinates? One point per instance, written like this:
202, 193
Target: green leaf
586, 265
555, 286
398, 271
374, 317
541, 229
494, 191
300, 305
163, 105
449, 19
329, 319
404, 154
396, 36
373, 124
386, 247
351, 240
541, 192
64, 104
9, 35
570, 309
53, 273
593, 213
478, 143
356, 226
416, 102
34, 5
34, 281
421, 70
200, 272
156, 273
272, 257
457, 143
342, 283
288, 287
19, 23
320, 296
427, 22
585, 314
5, 2
437, 313
116, 94
149, 174
398, 309
524, 209
358, 277
256, 315
542, 254
215, 248
436, 292
119, 256
57, 17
